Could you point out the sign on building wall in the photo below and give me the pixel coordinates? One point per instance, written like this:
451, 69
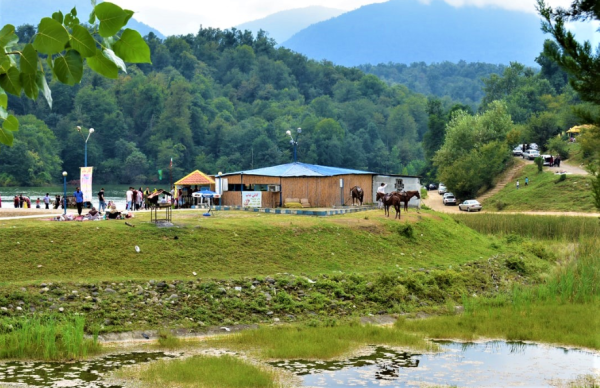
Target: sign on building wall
251, 198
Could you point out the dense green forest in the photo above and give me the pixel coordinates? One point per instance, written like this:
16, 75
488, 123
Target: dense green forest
461, 82
223, 101
218, 101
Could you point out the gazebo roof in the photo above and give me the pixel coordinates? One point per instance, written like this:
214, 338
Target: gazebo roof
578, 128
195, 178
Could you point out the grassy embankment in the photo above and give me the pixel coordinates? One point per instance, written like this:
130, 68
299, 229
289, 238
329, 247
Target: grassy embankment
252, 268
545, 192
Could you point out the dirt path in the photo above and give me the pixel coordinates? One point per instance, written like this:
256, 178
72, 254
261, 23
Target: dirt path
434, 200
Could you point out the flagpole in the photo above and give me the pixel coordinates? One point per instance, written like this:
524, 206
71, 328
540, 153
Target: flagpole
171, 175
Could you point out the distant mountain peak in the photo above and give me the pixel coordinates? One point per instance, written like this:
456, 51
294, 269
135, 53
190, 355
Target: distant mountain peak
283, 25
407, 31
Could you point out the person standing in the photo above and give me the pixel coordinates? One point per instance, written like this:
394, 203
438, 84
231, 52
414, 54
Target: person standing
146, 199
101, 201
381, 189
526, 181
16, 201
21, 200
128, 197
37, 203
47, 201
557, 160
517, 184
140, 198
78, 194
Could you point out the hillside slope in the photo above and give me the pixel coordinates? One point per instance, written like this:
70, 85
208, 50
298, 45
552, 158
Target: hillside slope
407, 31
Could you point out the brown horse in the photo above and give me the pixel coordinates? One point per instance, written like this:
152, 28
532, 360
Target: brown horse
407, 195
357, 194
391, 199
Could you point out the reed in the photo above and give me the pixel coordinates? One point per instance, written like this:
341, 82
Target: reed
202, 372
46, 338
533, 226
320, 342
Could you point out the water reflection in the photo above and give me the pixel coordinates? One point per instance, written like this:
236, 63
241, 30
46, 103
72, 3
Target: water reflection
490, 364
82, 374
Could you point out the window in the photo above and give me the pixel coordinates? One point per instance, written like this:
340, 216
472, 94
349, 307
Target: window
260, 187
399, 185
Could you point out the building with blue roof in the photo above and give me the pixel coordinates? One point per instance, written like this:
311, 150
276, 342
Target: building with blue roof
310, 184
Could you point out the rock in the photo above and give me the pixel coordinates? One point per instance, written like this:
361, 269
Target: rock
3, 309
43, 285
61, 309
71, 297
268, 296
152, 282
222, 290
95, 300
109, 290
174, 296
19, 308
32, 309
107, 322
275, 319
95, 293
238, 288
43, 290
161, 285
74, 292
256, 282
269, 312
270, 280
459, 309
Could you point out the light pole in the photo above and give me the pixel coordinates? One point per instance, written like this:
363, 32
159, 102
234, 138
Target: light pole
220, 187
294, 142
91, 130
65, 193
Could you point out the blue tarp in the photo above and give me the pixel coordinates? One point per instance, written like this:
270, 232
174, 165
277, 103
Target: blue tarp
300, 169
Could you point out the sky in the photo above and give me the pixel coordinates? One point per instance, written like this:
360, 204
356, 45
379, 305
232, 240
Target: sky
184, 16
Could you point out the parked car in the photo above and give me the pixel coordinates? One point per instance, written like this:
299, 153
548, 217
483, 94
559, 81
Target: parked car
547, 159
470, 205
531, 154
446, 194
432, 186
442, 189
449, 199
518, 151
533, 146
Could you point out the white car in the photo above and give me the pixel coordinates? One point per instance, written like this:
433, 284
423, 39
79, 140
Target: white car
442, 189
449, 199
470, 205
530, 154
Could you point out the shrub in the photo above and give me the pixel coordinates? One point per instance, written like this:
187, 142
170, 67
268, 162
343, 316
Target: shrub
406, 230
562, 178
557, 145
500, 205
516, 264
539, 161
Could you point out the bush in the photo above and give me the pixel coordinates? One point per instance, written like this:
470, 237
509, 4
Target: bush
539, 161
557, 145
500, 205
562, 178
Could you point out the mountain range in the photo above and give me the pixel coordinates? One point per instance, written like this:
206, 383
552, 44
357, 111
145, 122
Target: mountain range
18, 12
282, 25
407, 31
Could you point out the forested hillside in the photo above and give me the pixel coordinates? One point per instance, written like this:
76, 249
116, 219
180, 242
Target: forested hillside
216, 101
462, 81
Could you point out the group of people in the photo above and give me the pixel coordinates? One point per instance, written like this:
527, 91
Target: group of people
137, 199
22, 201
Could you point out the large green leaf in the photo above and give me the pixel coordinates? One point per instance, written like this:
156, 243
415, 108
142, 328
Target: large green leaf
112, 18
115, 59
51, 37
7, 36
10, 81
6, 137
58, 16
3, 113
82, 41
132, 47
68, 68
11, 124
29, 83
29, 60
43, 86
3, 99
102, 65
4, 65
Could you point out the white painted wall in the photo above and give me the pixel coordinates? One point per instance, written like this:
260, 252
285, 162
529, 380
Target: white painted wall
392, 181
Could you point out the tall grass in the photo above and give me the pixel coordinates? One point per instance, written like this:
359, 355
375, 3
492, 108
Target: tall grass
565, 309
291, 342
46, 338
202, 372
533, 226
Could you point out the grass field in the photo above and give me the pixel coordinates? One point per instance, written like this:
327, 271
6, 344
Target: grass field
544, 193
231, 245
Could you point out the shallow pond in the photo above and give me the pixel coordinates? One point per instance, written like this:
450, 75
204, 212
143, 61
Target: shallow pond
82, 374
490, 364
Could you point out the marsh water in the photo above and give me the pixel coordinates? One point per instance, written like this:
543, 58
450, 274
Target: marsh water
489, 364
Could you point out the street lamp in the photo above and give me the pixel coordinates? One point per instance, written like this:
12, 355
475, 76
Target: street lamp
65, 193
294, 142
91, 130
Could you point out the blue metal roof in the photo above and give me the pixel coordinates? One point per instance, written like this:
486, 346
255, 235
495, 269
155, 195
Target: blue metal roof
300, 169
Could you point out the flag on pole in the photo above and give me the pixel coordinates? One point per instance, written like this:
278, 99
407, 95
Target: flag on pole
160, 175
171, 165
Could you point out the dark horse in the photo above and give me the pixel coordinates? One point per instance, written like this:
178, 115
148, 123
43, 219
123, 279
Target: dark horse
391, 199
357, 194
407, 195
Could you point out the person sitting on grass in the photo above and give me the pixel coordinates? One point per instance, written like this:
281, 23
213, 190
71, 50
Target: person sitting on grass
113, 213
